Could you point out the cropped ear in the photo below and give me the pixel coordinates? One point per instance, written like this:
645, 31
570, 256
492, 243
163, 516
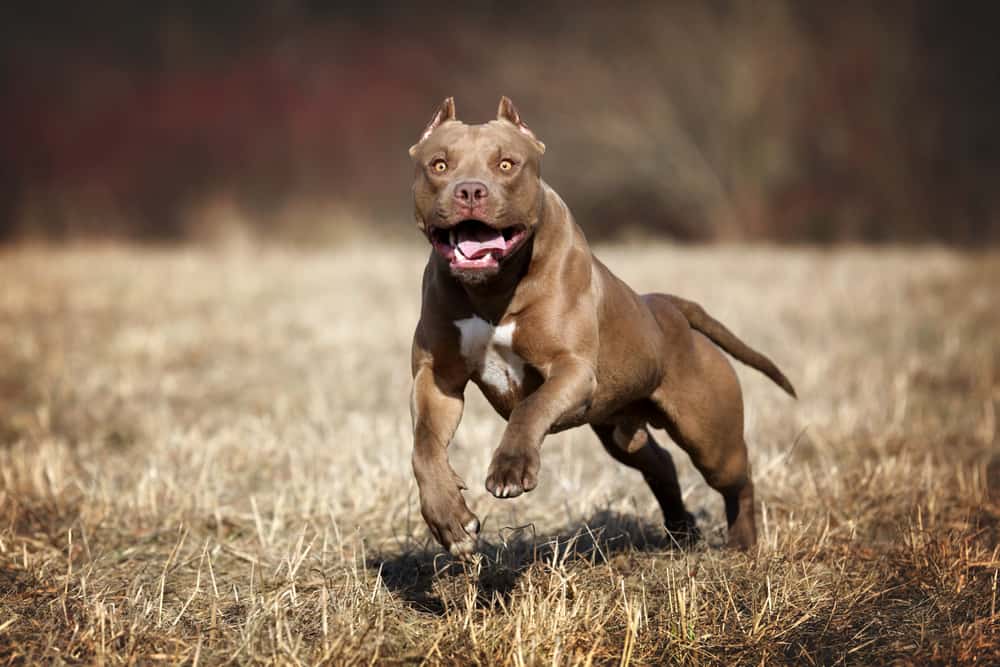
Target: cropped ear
444, 113
508, 112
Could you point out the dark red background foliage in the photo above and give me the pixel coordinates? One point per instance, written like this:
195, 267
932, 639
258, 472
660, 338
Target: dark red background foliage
785, 121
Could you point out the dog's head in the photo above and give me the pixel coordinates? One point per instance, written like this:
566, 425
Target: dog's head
477, 190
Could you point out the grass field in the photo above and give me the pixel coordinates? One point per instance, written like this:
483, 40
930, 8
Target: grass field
204, 457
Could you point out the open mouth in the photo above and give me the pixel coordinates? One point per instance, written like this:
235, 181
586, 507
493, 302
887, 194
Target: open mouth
472, 244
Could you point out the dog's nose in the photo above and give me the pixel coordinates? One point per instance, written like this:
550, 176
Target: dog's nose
471, 193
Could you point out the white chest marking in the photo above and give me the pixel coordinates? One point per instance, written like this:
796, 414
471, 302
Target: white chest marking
488, 350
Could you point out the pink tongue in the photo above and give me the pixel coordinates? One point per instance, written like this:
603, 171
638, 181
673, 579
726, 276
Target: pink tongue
477, 242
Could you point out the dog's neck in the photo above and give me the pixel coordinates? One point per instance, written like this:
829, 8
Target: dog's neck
491, 299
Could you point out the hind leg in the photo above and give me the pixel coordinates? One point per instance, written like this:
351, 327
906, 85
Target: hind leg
632, 445
703, 408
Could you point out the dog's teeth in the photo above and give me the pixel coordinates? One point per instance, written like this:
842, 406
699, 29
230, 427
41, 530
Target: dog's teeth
451, 237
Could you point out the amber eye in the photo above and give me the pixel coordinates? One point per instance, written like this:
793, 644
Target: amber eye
439, 165
506, 165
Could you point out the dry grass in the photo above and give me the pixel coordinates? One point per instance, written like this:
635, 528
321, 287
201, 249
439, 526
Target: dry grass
205, 458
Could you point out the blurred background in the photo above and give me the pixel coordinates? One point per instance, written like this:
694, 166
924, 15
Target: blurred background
709, 120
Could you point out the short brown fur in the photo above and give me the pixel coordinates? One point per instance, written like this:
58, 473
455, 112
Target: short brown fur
594, 351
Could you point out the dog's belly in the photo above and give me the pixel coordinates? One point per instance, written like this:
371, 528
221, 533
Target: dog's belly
505, 379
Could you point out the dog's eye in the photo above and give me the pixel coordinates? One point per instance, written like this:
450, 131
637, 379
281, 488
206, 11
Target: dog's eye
439, 165
506, 165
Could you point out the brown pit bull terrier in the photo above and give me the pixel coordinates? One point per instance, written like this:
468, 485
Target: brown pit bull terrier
514, 300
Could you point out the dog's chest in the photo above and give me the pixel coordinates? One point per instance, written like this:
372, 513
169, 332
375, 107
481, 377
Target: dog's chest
489, 354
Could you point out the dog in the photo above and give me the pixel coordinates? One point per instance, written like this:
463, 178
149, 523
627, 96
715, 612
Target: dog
514, 301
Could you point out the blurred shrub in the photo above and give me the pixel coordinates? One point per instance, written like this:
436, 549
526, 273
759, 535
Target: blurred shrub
698, 120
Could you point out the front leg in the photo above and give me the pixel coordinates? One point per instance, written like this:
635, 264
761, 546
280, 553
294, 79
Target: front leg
565, 395
437, 410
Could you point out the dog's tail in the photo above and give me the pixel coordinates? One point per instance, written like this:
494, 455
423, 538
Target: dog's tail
727, 340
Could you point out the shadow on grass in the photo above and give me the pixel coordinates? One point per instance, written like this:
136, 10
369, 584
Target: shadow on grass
418, 570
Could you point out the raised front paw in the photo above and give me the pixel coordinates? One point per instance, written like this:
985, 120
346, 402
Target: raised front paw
512, 472
451, 522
